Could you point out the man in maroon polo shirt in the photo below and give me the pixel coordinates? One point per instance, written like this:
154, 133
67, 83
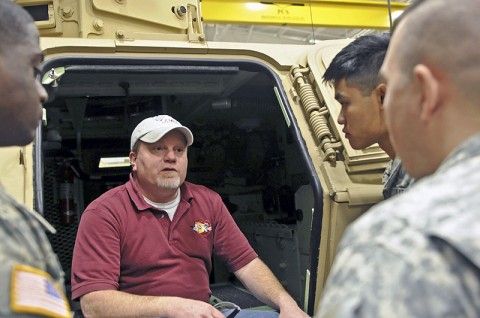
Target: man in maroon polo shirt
145, 248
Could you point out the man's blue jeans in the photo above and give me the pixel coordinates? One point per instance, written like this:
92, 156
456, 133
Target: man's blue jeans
245, 313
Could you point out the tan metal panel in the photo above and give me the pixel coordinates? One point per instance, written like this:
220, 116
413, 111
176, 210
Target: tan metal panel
16, 173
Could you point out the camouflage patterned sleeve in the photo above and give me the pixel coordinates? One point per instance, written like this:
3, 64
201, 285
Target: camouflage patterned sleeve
416, 254
396, 179
31, 279
408, 275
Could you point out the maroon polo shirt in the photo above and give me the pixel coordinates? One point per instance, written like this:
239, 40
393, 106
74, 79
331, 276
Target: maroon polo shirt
125, 244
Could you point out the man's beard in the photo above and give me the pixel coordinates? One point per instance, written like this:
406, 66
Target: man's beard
171, 181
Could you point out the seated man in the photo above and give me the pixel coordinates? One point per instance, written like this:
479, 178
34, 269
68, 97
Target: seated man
354, 72
145, 248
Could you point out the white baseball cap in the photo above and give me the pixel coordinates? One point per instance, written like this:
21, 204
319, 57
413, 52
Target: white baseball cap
153, 128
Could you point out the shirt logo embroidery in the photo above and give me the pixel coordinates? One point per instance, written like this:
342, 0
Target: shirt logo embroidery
203, 227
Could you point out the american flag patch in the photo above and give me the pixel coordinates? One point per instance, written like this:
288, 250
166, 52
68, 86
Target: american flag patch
33, 291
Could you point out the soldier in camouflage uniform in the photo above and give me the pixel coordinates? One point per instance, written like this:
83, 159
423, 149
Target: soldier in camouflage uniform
360, 92
395, 179
418, 254
31, 280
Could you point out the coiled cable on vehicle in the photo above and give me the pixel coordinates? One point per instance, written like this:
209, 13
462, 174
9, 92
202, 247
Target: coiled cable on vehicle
316, 115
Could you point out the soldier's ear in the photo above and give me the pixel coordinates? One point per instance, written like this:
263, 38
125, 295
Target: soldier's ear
429, 87
380, 91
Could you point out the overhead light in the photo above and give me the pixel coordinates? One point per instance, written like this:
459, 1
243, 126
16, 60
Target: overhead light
254, 6
114, 162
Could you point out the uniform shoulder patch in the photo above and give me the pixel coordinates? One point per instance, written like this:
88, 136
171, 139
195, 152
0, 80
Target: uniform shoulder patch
33, 291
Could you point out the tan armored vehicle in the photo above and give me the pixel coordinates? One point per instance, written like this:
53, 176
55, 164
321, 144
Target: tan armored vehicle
266, 137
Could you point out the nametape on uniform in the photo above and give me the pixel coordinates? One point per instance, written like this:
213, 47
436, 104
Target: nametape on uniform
33, 291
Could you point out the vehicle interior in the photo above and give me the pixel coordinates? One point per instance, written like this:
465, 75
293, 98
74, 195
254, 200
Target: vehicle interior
245, 147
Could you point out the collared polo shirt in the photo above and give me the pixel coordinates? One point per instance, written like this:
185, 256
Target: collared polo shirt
125, 244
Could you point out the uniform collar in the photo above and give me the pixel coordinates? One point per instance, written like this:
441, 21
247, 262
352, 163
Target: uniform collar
468, 149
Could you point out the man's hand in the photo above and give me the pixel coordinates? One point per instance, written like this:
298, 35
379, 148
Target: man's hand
261, 282
294, 312
187, 308
113, 303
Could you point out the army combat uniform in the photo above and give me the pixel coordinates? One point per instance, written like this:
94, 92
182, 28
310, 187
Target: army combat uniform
31, 279
415, 255
396, 180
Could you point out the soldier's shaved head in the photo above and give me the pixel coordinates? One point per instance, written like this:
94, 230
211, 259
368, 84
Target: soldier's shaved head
445, 35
